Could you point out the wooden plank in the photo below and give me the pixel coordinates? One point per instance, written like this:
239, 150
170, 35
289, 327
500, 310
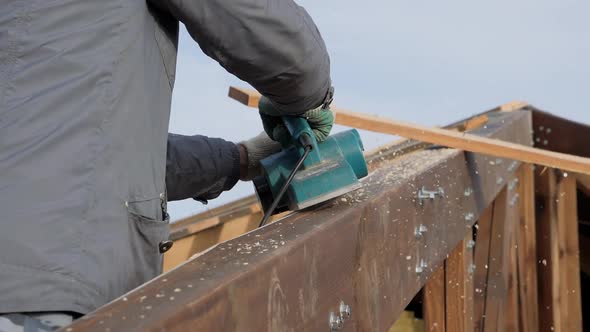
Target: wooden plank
248, 97
497, 289
434, 302
526, 251
512, 308
363, 251
547, 253
459, 287
481, 262
464, 141
467, 142
569, 255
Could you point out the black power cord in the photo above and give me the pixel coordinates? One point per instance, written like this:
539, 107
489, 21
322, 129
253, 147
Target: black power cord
277, 199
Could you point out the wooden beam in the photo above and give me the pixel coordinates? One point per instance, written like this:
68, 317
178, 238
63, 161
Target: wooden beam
434, 302
569, 254
459, 287
196, 233
289, 275
527, 251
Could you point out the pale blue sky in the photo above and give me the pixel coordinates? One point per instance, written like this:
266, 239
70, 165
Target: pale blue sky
428, 62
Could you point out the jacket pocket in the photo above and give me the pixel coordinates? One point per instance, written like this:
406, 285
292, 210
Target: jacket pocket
149, 229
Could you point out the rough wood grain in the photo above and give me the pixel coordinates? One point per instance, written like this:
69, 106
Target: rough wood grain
547, 251
361, 250
512, 308
569, 255
481, 262
434, 302
497, 288
459, 287
527, 251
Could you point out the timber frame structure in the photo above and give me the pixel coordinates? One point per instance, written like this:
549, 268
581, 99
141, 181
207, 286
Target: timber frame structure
465, 241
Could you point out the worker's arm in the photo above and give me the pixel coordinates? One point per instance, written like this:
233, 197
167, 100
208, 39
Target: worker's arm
202, 167
272, 44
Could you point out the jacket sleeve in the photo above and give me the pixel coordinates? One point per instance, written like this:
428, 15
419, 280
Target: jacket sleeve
200, 167
272, 44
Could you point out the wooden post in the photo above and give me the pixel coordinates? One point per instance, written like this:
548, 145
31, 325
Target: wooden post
547, 251
434, 302
497, 290
512, 308
569, 254
480, 280
459, 287
526, 251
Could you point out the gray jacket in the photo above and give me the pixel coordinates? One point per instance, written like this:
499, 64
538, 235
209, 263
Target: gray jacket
86, 161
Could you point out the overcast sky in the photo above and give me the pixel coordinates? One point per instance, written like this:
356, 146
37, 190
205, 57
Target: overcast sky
428, 62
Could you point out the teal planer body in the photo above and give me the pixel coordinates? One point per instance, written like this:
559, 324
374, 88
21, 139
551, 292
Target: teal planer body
332, 168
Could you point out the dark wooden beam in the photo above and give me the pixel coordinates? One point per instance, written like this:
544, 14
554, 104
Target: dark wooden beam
196, 233
557, 134
360, 249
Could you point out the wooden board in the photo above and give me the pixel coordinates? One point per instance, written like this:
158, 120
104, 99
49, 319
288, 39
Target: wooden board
526, 251
497, 288
434, 302
512, 308
569, 255
458, 286
547, 253
291, 274
481, 261
462, 141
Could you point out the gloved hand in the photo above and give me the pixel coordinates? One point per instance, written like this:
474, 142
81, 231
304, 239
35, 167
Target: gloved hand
256, 149
320, 119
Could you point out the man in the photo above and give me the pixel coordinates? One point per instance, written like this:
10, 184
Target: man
86, 163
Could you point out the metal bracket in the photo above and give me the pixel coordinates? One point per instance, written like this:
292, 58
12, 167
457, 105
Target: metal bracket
421, 266
336, 321
345, 311
429, 194
419, 231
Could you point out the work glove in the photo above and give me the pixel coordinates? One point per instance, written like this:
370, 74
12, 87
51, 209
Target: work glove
257, 148
320, 119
